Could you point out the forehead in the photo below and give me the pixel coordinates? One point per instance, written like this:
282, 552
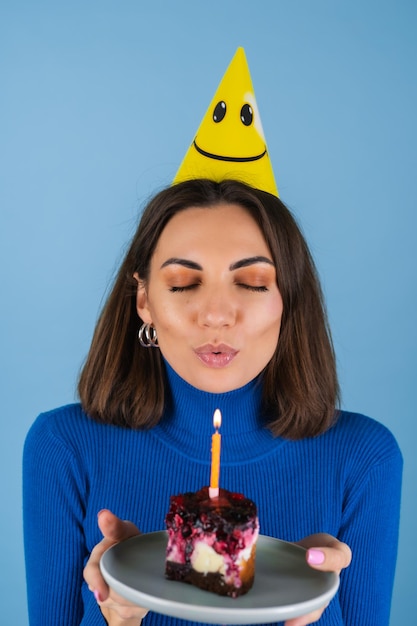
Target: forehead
222, 227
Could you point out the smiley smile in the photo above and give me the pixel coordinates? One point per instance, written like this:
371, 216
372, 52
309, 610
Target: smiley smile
219, 157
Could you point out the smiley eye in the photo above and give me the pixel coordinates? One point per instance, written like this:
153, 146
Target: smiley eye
246, 115
219, 111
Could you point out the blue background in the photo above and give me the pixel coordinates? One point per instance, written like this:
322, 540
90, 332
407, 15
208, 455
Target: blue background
98, 103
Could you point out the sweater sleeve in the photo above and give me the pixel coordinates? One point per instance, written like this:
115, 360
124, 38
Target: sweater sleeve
54, 493
370, 527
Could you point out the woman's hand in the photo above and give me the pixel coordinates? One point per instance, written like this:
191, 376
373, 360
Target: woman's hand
325, 553
116, 610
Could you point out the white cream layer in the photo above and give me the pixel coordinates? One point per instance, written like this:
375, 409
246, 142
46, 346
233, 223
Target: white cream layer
204, 559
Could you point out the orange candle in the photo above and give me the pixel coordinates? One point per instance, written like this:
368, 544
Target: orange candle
215, 455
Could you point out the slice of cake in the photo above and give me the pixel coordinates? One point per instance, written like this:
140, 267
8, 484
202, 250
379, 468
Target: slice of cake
212, 541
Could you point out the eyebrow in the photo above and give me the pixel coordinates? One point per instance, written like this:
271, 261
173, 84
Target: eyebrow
184, 262
250, 261
234, 266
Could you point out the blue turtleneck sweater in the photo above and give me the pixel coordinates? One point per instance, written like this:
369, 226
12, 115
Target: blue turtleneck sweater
345, 482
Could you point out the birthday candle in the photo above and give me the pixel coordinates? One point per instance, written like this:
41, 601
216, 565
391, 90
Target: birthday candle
215, 455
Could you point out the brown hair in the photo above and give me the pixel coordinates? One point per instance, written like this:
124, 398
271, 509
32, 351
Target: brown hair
123, 383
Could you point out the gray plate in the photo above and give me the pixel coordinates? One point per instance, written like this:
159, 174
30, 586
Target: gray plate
285, 586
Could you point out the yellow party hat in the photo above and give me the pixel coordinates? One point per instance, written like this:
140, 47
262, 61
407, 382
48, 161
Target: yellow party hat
230, 142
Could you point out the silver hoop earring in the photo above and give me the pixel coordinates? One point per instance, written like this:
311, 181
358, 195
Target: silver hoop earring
148, 337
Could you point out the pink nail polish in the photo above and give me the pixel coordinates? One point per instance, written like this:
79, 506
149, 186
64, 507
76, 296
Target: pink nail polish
315, 557
97, 595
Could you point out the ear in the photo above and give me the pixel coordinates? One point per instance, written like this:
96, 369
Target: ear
142, 305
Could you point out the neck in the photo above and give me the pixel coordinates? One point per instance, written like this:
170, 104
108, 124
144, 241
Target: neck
188, 419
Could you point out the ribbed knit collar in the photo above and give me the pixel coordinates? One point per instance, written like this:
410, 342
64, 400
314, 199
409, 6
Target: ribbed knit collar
187, 424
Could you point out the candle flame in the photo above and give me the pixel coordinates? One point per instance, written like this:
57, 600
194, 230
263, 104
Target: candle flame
217, 419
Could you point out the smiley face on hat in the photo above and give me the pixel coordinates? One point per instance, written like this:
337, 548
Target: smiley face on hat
230, 142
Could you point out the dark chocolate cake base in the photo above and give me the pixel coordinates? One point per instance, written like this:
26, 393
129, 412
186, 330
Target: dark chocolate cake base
209, 582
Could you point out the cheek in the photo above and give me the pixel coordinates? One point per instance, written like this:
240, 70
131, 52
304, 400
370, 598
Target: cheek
169, 316
272, 314
278, 305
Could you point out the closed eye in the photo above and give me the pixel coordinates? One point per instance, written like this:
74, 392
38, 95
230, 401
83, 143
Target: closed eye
182, 288
259, 288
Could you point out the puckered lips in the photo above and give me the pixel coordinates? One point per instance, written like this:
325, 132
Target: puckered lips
216, 356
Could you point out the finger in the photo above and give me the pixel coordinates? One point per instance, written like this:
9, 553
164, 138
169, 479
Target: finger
329, 559
114, 529
318, 539
306, 619
123, 608
92, 572
326, 552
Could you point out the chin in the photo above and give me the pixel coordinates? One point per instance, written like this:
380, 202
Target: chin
220, 383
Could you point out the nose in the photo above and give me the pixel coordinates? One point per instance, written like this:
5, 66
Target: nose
217, 309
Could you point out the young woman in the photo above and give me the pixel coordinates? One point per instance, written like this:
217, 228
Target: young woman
216, 305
